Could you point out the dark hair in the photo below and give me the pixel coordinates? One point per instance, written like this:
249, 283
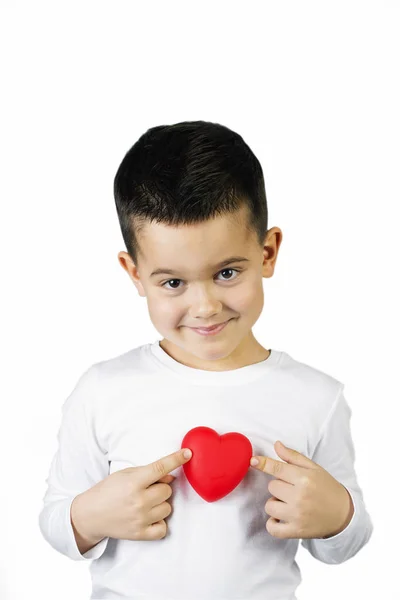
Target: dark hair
188, 173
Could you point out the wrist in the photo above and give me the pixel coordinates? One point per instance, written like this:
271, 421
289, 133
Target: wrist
348, 512
81, 522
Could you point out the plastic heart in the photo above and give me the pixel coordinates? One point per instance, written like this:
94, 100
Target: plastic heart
218, 463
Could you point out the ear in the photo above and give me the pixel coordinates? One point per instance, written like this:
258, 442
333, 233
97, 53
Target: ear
129, 266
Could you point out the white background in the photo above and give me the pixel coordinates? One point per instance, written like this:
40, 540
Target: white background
313, 88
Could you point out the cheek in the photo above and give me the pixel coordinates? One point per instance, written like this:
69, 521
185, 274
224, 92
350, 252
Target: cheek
249, 298
163, 311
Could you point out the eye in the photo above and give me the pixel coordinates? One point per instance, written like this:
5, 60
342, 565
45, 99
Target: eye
175, 288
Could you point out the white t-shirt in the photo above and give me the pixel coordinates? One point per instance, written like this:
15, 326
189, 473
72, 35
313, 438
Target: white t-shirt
135, 408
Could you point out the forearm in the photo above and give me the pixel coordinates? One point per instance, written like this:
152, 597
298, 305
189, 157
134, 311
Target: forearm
85, 540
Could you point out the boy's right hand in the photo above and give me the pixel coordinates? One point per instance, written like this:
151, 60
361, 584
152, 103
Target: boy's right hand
129, 504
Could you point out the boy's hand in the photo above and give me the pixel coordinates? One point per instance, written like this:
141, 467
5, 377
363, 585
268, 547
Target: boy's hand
129, 504
312, 503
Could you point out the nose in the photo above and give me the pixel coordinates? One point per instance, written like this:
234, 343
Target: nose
204, 306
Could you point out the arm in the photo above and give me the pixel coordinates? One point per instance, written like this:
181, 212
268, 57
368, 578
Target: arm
78, 465
84, 539
335, 453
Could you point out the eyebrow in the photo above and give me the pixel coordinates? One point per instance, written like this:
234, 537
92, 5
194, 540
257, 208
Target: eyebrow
227, 261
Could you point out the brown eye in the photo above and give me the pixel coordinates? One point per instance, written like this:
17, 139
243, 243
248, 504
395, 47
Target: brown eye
163, 285
225, 270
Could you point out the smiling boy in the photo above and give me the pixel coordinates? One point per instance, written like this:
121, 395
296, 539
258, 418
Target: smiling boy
191, 204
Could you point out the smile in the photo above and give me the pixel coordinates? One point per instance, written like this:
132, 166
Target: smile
212, 331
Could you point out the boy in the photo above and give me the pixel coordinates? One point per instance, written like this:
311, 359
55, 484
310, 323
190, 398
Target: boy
191, 203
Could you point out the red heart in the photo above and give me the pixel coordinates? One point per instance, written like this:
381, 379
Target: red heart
218, 463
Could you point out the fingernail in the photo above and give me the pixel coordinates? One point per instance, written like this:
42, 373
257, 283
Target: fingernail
254, 462
187, 453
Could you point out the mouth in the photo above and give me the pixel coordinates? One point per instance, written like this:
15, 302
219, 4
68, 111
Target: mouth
211, 330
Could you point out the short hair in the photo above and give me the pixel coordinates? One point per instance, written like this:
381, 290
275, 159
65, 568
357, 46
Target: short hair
186, 173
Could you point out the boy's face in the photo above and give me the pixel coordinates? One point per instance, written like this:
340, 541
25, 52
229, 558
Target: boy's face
199, 293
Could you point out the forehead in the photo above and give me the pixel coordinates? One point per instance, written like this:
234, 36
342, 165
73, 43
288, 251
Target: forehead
195, 247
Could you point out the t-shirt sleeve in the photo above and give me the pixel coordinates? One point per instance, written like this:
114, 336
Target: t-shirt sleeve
78, 464
335, 453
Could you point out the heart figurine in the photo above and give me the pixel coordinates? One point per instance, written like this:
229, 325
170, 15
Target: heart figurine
218, 463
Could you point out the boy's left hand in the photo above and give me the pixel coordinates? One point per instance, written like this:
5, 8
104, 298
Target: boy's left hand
312, 503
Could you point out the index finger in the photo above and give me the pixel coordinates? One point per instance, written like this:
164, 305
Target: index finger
161, 467
279, 469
